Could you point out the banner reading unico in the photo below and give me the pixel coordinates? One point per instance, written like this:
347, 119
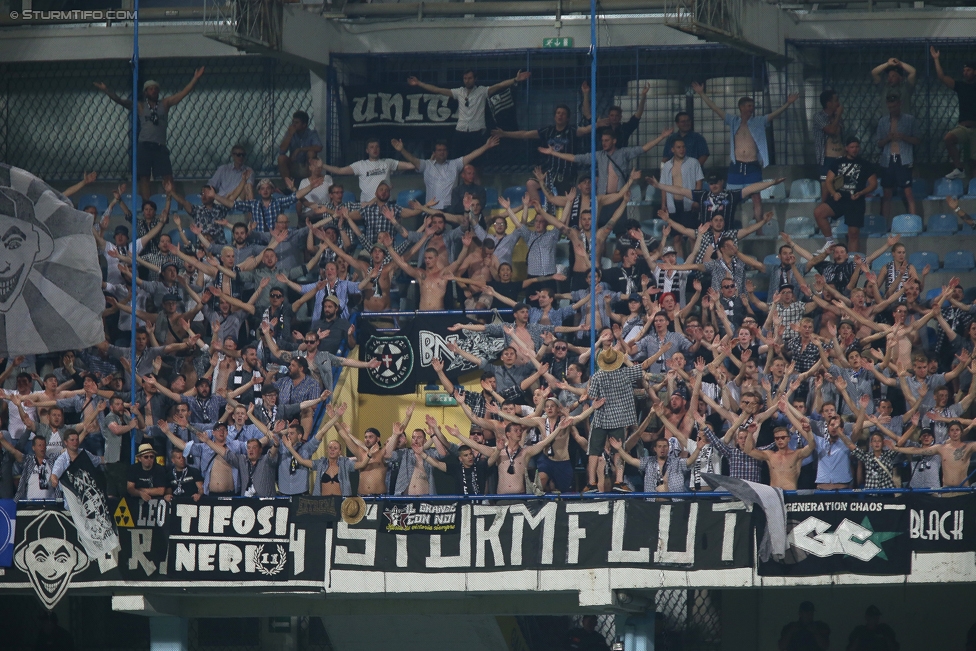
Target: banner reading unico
399, 106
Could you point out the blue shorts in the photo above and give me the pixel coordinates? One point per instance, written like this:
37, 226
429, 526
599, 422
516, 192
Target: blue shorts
743, 174
560, 472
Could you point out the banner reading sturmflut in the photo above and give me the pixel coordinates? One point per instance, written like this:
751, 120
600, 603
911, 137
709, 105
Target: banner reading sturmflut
50, 282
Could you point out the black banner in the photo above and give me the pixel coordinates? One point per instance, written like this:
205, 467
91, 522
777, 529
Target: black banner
406, 355
942, 524
309, 509
394, 107
419, 517
143, 535
558, 535
855, 534
212, 543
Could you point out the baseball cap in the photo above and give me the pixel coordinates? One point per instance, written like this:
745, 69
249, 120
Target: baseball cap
713, 178
681, 391
169, 264
971, 64
786, 286
149, 84
172, 296
121, 229
667, 250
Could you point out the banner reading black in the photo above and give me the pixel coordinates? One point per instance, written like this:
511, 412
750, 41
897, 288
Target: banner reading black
942, 524
557, 535
419, 517
406, 355
854, 534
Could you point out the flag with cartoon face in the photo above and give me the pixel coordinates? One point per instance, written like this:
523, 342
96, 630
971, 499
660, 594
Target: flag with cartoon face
50, 281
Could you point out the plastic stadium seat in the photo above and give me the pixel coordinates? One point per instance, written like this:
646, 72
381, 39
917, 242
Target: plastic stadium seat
906, 224
942, 225
404, 197
920, 188
654, 228
874, 226
804, 190
514, 194
194, 199
771, 260
636, 196
491, 198
160, 201
971, 191
228, 235
945, 187
652, 195
932, 294
839, 228
959, 261
921, 258
774, 193
800, 227
349, 197
127, 200
174, 235
770, 229
100, 202
880, 261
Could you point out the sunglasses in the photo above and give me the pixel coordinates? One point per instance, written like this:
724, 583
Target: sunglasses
277, 295
780, 438
728, 286
311, 341
560, 348
238, 154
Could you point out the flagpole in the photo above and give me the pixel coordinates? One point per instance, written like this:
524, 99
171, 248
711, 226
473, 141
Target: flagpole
135, 232
594, 211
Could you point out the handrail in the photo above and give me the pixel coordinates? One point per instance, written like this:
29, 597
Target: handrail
388, 315
686, 495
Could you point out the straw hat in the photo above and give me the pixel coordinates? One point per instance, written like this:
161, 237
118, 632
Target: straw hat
610, 359
353, 510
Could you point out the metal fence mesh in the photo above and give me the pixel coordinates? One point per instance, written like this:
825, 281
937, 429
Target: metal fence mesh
689, 620
55, 123
846, 67
557, 78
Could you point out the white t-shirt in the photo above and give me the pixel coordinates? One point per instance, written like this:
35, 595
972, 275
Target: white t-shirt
319, 194
34, 490
371, 173
471, 107
113, 275
15, 425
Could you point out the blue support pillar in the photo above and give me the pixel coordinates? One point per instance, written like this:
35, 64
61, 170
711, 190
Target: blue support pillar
169, 634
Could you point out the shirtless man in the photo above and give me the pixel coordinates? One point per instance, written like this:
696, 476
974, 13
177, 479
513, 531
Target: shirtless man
514, 456
555, 468
434, 278
372, 476
217, 473
749, 158
784, 463
955, 454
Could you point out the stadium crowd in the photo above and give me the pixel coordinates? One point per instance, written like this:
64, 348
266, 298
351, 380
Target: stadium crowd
241, 332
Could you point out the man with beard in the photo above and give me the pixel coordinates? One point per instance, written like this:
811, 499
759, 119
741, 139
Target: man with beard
330, 286
145, 479
468, 187
153, 156
204, 407
266, 207
321, 363
331, 331
119, 430
220, 479
255, 469
373, 219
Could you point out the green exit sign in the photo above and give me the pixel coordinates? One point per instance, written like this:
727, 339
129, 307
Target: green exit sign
559, 42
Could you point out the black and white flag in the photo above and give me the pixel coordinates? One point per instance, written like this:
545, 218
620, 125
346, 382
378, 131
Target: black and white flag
84, 491
50, 281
